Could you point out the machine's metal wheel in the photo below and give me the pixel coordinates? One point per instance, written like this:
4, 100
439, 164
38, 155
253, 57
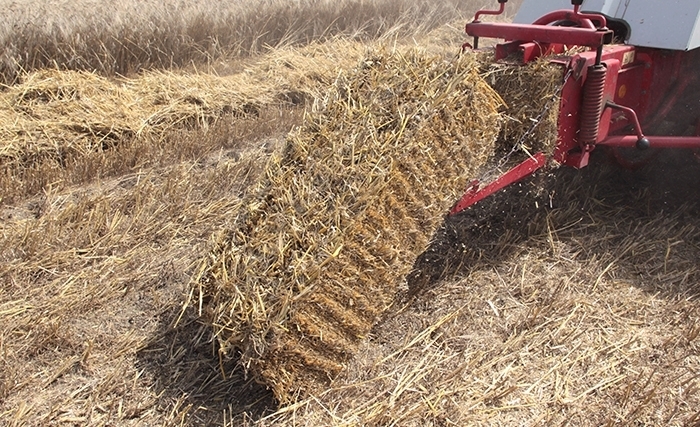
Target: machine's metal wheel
632, 158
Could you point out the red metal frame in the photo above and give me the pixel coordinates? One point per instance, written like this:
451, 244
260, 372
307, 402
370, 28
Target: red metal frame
583, 20
474, 194
501, 9
541, 33
641, 86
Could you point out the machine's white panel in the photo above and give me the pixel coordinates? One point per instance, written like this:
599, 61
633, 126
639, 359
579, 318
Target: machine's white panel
695, 37
671, 24
530, 10
533, 9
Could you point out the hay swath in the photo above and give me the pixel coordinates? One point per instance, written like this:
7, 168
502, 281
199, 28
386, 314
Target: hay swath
630, 80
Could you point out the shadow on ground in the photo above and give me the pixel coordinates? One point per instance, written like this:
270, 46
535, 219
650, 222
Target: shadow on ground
188, 378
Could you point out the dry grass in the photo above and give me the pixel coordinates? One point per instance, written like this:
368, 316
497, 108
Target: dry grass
91, 280
585, 313
126, 37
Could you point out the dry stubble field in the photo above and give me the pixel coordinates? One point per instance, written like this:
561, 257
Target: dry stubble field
573, 306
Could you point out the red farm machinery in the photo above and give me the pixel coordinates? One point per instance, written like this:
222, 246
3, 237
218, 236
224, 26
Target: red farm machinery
632, 82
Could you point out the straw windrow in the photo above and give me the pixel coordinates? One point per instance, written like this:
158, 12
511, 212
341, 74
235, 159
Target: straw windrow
55, 114
60, 128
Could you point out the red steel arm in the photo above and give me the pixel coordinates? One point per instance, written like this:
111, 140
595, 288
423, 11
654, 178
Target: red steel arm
573, 36
474, 194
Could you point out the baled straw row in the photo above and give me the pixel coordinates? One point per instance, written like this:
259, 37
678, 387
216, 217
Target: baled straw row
317, 256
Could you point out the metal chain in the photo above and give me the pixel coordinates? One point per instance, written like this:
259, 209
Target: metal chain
519, 143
